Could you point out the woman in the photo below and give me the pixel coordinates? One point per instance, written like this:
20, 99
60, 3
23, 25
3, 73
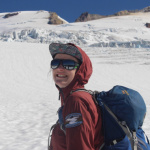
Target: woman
82, 125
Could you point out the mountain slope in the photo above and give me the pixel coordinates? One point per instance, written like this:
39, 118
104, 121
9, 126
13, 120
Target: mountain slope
119, 31
87, 17
26, 19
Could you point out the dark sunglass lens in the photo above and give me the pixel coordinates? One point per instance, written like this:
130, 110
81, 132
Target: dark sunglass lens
69, 64
55, 63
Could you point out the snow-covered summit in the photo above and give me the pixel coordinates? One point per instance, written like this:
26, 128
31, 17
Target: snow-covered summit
25, 19
118, 31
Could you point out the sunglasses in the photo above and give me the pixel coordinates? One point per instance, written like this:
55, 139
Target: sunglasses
66, 63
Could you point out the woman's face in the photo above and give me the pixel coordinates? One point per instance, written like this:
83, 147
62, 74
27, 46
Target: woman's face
63, 77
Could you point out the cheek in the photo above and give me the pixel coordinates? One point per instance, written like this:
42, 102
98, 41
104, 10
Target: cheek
53, 73
72, 74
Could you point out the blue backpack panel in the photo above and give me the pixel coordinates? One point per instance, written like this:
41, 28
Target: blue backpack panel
123, 113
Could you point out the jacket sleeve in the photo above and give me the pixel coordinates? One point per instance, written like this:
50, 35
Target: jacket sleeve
80, 136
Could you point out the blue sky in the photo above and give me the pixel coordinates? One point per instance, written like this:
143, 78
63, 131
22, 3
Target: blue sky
71, 10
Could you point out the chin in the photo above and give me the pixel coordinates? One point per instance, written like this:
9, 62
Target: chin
61, 86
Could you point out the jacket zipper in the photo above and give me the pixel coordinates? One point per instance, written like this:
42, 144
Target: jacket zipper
61, 93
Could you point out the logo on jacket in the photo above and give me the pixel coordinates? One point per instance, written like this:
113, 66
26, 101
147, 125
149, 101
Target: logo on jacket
125, 92
73, 120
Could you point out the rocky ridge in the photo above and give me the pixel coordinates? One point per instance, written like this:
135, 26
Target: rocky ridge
87, 17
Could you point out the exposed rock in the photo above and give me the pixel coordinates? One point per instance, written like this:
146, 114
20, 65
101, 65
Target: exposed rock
146, 9
53, 19
147, 25
10, 15
134, 11
87, 17
122, 13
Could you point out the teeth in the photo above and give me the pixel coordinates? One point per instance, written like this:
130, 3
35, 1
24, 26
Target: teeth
61, 75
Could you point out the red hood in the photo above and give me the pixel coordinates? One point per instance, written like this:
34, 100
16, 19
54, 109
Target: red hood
81, 78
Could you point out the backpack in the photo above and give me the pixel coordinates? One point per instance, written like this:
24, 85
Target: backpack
123, 112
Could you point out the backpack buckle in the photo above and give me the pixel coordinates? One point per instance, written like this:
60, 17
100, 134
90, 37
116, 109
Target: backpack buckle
135, 140
135, 137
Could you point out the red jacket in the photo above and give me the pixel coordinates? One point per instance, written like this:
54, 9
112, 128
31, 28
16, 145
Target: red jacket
81, 115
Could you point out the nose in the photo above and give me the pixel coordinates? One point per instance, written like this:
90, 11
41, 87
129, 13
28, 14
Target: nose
60, 66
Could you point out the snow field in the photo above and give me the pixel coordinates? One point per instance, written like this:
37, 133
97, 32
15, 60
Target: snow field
29, 99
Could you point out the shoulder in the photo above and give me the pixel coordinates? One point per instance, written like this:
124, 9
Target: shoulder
81, 100
82, 106
81, 97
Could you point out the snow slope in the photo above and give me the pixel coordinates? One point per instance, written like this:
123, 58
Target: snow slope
120, 31
28, 97
26, 19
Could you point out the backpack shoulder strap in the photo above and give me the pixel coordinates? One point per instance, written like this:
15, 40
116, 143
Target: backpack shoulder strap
88, 91
93, 93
